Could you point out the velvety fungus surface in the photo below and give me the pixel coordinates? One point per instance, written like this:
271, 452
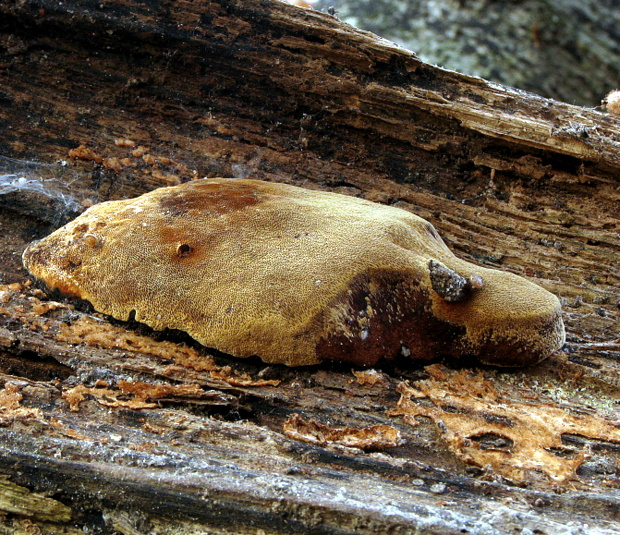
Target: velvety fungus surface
294, 276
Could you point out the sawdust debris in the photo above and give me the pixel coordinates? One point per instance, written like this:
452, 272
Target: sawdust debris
514, 438
124, 142
225, 373
84, 153
369, 377
129, 395
8, 291
90, 331
11, 409
374, 437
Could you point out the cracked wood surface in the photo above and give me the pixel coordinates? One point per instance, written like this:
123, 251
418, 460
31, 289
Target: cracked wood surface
267, 90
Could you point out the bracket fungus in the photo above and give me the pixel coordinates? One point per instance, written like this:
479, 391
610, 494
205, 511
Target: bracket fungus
294, 276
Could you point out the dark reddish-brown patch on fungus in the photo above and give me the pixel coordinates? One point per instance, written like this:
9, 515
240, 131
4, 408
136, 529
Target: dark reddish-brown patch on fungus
81, 229
501, 351
381, 315
213, 199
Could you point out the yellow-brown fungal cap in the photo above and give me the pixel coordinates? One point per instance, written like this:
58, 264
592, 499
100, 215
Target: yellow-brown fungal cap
293, 276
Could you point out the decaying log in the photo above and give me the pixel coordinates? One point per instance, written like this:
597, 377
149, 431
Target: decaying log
143, 432
559, 50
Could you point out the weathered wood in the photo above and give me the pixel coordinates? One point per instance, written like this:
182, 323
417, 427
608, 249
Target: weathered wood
164, 437
558, 49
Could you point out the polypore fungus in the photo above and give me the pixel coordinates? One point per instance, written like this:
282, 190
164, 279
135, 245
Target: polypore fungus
294, 276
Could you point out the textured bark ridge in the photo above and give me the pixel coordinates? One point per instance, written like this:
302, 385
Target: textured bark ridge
143, 431
564, 50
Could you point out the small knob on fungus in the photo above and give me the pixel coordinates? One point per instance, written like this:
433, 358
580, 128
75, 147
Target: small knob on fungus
92, 240
451, 286
476, 282
184, 250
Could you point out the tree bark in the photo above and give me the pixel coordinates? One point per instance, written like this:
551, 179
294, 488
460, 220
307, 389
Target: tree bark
564, 49
143, 432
